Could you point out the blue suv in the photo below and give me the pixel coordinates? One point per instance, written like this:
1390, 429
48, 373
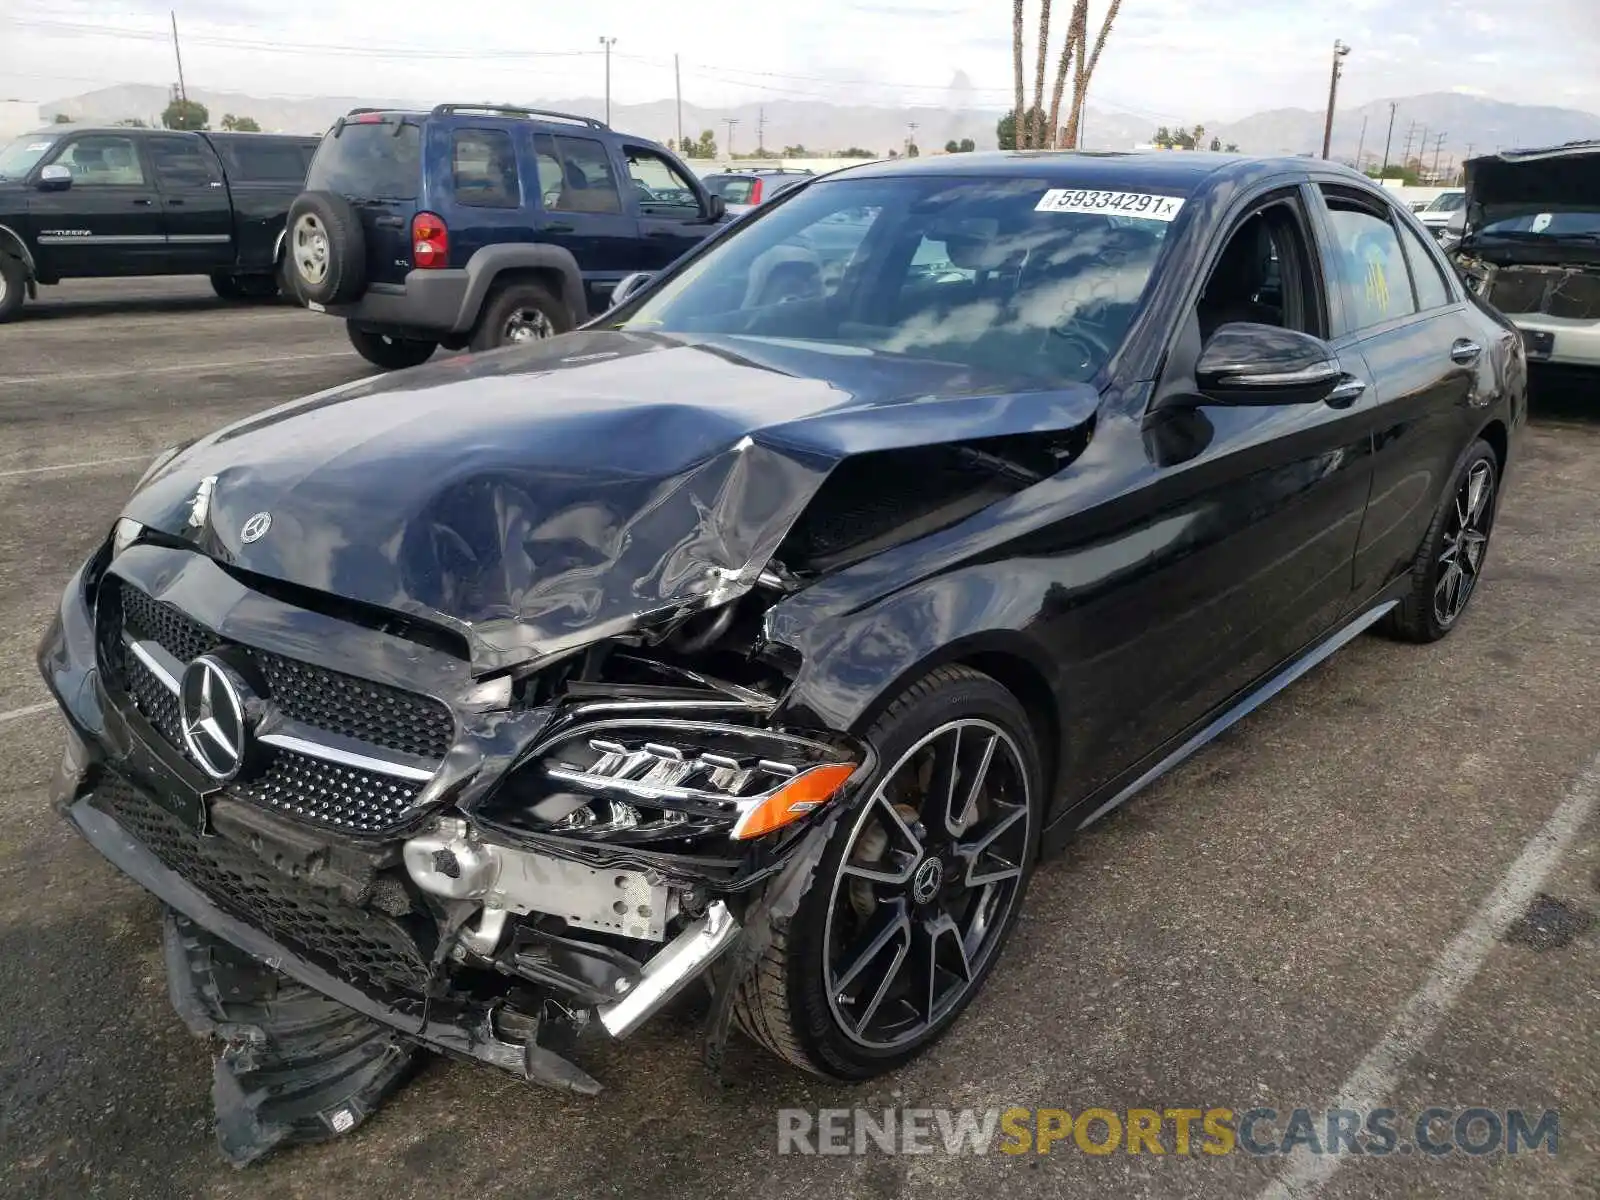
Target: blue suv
482, 225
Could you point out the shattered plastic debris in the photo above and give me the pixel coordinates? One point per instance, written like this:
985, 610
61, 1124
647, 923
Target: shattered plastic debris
295, 1065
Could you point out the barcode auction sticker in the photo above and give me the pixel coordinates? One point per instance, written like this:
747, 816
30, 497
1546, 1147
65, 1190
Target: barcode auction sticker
1121, 204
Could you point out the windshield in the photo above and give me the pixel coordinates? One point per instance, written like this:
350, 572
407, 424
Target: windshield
960, 270
1448, 202
369, 157
1582, 223
18, 157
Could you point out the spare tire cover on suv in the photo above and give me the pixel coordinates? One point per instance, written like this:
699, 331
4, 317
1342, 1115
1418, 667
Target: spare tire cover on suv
325, 248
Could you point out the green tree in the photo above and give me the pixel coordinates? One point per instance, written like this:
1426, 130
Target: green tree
795, 152
62, 119
1216, 143
1198, 137
133, 123
967, 146
1183, 140
185, 114
240, 124
912, 151
1163, 138
855, 152
1231, 148
1006, 128
952, 147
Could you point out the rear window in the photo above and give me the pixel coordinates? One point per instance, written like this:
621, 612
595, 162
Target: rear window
732, 189
374, 159
265, 161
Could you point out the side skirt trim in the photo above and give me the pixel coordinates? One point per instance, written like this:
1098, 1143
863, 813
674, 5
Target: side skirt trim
1246, 705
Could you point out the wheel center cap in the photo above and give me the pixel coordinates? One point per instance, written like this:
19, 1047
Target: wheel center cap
925, 883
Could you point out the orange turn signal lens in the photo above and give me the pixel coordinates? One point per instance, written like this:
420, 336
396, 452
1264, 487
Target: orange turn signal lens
807, 791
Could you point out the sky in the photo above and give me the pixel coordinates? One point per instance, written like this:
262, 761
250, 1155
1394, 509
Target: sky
1177, 59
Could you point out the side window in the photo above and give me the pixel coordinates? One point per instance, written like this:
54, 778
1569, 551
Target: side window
735, 191
1371, 269
660, 187
182, 164
1432, 291
102, 160
265, 160
586, 183
1263, 275
484, 167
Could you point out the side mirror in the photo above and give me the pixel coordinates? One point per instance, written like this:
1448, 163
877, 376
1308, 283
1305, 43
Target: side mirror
1248, 364
716, 208
1458, 222
629, 285
54, 178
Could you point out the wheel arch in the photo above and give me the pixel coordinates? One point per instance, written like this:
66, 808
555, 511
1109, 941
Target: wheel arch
11, 243
489, 266
1499, 439
1011, 659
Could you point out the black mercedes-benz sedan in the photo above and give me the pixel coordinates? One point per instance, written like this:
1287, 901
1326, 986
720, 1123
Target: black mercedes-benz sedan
766, 631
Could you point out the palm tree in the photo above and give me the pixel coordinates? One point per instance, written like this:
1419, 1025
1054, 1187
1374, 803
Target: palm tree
1036, 137
1016, 56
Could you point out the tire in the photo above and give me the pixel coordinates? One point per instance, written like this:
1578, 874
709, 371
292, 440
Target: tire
326, 248
390, 353
1419, 617
13, 286
529, 305
788, 1001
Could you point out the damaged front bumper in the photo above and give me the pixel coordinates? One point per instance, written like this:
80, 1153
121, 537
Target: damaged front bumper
487, 987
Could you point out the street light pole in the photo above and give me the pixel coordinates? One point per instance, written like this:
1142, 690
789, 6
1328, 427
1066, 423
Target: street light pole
608, 43
1339, 52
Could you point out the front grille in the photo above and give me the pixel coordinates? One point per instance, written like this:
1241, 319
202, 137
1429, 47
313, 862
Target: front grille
313, 789
308, 788
372, 951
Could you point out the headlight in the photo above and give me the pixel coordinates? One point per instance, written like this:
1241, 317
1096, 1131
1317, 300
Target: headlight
636, 781
124, 534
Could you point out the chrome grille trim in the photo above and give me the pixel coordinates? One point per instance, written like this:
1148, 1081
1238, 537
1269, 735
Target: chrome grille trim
293, 735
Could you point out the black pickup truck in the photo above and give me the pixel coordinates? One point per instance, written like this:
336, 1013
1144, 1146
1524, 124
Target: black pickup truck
83, 202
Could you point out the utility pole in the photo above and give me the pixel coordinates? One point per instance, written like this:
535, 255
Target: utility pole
1437, 146
608, 43
677, 86
761, 130
911, 137
1406, 157
1422, 150
1362, 144
730, 122
1339, 52
1388, 140
183, 92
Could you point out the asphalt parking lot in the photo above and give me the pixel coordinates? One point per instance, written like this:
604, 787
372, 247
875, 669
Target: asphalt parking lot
1313, 907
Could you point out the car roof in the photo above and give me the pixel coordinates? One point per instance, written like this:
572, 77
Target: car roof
1174, 170
213, 134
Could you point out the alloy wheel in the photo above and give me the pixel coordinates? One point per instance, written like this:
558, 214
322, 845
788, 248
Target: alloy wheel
527, 325
924, 891
310, 249
1466, 541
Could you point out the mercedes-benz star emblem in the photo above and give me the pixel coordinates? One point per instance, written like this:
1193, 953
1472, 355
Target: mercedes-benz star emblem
211, 714
926, 882
256, 527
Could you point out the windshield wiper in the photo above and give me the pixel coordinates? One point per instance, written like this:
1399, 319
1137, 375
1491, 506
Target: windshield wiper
1528, 235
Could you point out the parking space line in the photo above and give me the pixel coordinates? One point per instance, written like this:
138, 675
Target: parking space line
16, 714
169, 369
72, 466
1378, 1073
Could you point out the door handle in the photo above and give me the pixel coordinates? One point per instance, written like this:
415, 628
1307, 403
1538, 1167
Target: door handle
172, 201
1346, 392
660, 233
144, 203
1465, 351
559, 228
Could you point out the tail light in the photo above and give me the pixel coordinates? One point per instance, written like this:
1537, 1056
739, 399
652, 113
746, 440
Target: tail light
430, 241
755, 192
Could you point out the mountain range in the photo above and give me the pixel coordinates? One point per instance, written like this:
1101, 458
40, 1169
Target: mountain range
1468, 122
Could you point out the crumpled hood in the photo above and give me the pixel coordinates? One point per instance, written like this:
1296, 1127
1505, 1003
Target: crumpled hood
544, 497
1519, 183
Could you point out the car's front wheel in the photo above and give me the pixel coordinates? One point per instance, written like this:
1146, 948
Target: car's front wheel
13, 286
917, 890
390, 353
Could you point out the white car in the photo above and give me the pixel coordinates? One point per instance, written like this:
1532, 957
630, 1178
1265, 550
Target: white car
1530, 244
1436, 216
